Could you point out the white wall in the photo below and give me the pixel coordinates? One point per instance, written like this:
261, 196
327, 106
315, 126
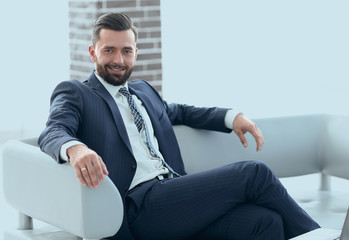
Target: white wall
266, 58
34, 58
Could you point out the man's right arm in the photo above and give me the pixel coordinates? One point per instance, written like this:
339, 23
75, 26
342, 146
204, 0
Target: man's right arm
63, 121
59, 137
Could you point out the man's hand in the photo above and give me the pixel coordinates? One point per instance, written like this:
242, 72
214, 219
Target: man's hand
88, 166
242, 125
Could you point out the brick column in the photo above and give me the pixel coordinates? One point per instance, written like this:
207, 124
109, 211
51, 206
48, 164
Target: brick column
146, 16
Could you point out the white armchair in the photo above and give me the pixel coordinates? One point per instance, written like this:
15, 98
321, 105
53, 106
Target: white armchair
39, 188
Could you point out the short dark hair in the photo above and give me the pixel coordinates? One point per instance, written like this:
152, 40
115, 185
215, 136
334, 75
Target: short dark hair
113, 21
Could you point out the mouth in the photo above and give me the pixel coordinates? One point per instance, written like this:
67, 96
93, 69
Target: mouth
117, 69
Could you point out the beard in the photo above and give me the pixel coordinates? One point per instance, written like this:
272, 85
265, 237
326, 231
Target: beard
113, 79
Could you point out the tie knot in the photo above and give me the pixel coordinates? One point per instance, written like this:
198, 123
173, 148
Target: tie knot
124, 92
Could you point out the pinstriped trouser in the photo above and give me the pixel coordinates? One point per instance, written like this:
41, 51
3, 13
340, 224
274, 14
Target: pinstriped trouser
241, 200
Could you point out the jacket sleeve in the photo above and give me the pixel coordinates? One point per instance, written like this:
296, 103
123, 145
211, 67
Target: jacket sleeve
64, 119
197, 117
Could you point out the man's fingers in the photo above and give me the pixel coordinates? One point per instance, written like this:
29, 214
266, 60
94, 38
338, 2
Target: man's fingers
255, 132
86, 175
104, 167
261, 140
258, 136
95, 170
80, 177
98, 169
92, 174
243, 140
88, 165
241, 125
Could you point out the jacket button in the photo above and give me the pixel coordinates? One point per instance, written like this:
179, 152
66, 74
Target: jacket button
133, 166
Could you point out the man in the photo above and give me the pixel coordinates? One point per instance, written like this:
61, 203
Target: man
108, 126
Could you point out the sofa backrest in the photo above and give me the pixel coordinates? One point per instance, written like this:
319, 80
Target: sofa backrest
293, 146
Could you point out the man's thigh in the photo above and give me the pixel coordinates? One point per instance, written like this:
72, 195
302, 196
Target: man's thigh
181, 207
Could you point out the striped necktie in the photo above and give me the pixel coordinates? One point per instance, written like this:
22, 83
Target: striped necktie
140, 124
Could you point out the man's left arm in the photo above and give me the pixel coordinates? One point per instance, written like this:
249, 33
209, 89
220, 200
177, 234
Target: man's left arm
216, 119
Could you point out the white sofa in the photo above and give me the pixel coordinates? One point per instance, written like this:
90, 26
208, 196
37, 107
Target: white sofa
39, 188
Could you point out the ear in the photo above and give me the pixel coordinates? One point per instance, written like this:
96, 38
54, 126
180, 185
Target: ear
92, 52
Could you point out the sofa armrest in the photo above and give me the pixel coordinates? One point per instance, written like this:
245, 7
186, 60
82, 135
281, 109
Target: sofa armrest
37, 186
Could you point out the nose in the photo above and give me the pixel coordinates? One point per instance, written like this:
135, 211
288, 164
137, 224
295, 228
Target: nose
118, 58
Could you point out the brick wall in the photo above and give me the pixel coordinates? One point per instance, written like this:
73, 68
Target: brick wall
146, 16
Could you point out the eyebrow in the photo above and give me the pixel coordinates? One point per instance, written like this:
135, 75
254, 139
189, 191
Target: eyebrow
108, 47
129, 49
111, 47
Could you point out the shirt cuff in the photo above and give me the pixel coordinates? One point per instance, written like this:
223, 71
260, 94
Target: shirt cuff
65, 146
230, 117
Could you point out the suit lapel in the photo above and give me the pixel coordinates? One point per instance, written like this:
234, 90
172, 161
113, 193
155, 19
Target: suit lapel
103, 93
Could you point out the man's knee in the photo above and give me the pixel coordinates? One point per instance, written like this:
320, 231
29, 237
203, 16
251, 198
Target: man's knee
261, 168
257, 177
258, 165
254, 167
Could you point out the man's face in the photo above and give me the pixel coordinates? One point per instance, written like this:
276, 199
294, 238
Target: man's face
114, 55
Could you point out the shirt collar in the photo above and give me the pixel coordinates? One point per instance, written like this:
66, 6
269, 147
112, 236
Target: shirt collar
113, 90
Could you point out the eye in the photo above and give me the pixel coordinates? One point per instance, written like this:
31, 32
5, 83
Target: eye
108, 50
128, 51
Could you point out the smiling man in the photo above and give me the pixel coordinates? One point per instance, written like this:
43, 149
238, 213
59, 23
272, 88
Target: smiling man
108, 126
